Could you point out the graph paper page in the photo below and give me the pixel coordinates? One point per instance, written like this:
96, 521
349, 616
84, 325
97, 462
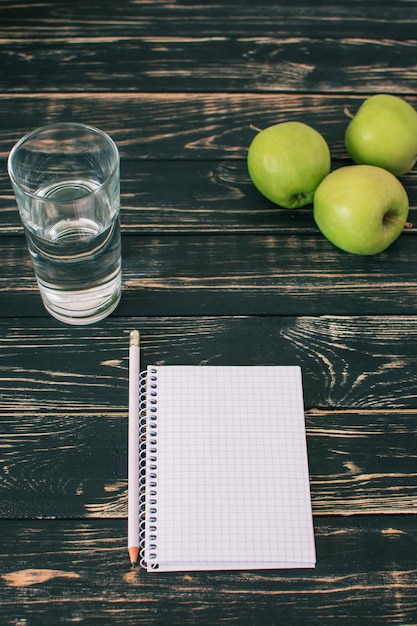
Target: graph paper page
228, 457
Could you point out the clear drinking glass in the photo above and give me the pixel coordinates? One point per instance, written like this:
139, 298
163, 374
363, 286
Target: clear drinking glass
67, 187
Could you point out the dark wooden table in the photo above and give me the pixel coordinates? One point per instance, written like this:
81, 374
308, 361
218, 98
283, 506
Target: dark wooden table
213, 273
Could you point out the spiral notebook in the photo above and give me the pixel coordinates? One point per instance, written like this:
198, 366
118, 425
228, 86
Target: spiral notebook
224, 476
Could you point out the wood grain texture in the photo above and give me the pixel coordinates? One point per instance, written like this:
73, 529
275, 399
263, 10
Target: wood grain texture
239, 274
226, 46
102, 19
213, 126
144, 125
213, 274
205, 64
64, 412
365, 574
69, 465
196, 196
349, 362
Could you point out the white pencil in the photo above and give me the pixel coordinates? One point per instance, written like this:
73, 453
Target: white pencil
133, 449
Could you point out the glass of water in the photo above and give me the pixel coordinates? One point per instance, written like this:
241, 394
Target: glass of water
67, 186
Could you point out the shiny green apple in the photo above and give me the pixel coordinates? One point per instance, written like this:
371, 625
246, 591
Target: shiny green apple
287, 162
384, 132
361, 209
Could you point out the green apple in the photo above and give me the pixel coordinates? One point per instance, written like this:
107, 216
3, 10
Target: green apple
361, 208
287, 162
384, 132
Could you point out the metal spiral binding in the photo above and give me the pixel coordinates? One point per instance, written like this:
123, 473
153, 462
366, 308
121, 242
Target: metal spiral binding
148, 463
142, 466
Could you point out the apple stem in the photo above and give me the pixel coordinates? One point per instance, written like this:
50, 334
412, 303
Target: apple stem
253, 127
394, 219
348, 113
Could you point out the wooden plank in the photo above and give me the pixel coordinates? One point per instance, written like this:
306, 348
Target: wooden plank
224, 18
265, 275
102, 18
199, 63
362, 363
68, 464
237, 275
195, 197
213, 126
78, 571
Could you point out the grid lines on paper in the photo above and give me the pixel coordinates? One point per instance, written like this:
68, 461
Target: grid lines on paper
232, 465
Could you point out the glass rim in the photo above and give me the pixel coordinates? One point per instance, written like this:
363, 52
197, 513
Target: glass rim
58, 126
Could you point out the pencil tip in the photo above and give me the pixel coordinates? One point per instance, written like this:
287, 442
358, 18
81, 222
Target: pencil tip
134, 564
133, 555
